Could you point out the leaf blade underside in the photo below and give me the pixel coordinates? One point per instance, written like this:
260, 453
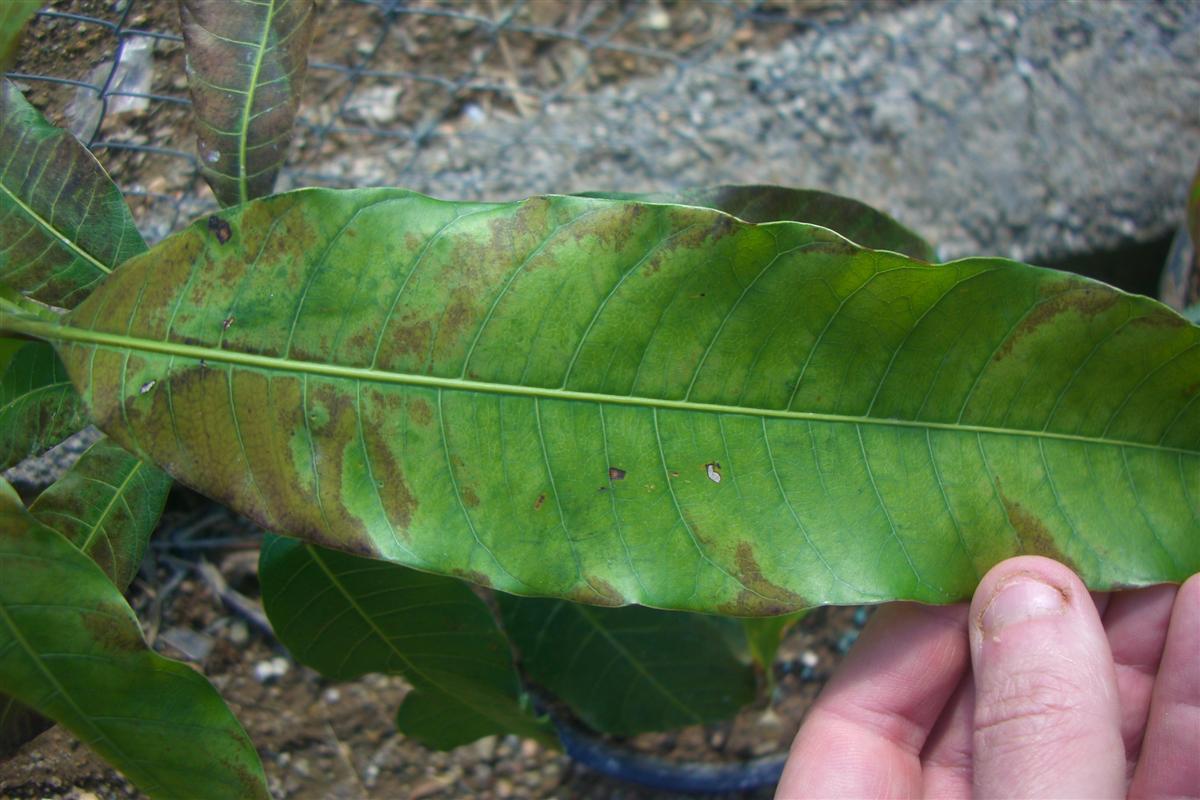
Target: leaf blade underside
71, 648
346, 616
246, 63
64, 224
615, 402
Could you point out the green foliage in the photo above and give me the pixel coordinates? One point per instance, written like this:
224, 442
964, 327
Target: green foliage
71, 648
38, 405
761, 388
14, 14
107, 505
346, 616
744, 400
630, 670
64, 224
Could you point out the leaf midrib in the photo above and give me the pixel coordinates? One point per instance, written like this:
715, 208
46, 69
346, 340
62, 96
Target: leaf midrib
63, 240
251, 92
66, 333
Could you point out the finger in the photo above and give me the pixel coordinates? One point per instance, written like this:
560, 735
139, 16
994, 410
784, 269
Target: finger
1169, 766
1136, 625
947, 756
1047, 719
864, 734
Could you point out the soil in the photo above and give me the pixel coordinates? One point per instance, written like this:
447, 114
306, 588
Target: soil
322, 739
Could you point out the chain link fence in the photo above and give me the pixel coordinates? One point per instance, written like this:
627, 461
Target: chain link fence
1034, 129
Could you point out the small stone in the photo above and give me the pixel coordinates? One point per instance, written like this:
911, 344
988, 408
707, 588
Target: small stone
268, 671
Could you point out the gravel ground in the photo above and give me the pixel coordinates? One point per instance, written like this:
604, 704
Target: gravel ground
1031, 130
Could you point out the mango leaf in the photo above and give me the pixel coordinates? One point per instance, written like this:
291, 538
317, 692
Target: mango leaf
765, 634
38, 405
855, 220
71, 648
629, 670
107, 505
14, 14
345, 616
616, 402
246, 62
63, 223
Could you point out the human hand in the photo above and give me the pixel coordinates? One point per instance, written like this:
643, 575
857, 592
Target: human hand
1039, 689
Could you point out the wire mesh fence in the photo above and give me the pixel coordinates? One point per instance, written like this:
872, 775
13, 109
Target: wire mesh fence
951, 116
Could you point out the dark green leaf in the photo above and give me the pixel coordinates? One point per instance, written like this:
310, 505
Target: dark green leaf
615, 402
63, 223
14, 14
107, 505
345, 616
246, 61
71, 648
630, 670
38, 405
857, 221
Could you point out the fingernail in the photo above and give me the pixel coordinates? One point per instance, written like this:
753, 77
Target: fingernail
1021, 598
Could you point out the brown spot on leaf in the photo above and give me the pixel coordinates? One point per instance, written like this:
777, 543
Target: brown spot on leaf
1085, 300
108, 626
541, 499
1036, 539
759, 597
596, 592
420, 411
220, 228
616, 474
469, 497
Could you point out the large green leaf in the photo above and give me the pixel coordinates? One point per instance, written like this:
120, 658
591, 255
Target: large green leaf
630, 670
616, 402
855, 220
107, 505
38, 405
13, 16
63, 223
71, 648
345, 616
246, 61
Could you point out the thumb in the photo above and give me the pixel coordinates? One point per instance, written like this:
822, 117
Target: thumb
1047, 720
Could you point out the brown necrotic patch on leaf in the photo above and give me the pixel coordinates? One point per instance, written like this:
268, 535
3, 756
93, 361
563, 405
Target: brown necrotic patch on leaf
220, 229
470, 499
112, 629
1035, 537
759, 596
595, 591
1086, 301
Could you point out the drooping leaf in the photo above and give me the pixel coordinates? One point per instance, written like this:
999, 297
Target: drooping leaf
629, 670
14, 14
345, 616
615, 402
38, 405
246, 61
64, 224
765, 634
853, 219
107, 505
71, 648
